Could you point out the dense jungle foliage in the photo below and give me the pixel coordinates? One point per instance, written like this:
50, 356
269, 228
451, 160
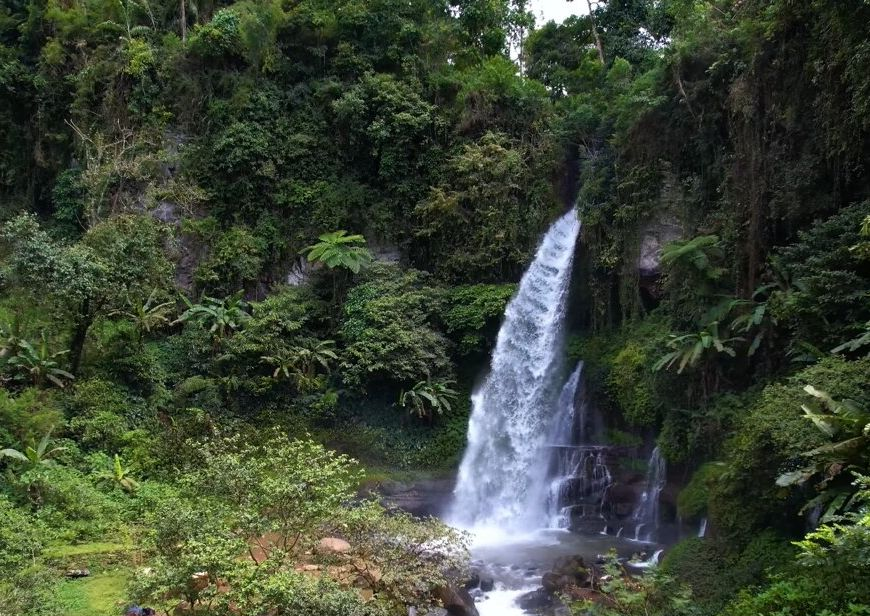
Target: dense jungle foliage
245, 243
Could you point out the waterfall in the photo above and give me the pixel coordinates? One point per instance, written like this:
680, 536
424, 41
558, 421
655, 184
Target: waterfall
579, 476
512, 411
702, 530
646, 514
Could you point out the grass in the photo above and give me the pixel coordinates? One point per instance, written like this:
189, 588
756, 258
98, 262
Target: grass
84, 549
102, 594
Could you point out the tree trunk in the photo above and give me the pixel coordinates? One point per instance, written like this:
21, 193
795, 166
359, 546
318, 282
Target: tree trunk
83, 322
183, 21
595, 34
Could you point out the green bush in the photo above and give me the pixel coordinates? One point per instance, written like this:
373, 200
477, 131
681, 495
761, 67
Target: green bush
715, 571
388, 327
101, 413
27, 416
771, 434
218, 38
235, 261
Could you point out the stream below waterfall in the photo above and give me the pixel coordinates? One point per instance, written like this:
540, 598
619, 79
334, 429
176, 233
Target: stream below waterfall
516, 562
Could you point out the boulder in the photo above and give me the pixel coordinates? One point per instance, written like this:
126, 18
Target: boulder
555, 582
487, 584
571, 567
333, 545
473, 580
536, 600
457, 601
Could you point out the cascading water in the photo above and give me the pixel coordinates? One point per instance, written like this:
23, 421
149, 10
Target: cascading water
512, 414
579, 473
646, 514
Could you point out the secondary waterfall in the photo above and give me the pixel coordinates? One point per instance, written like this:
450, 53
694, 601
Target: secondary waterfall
646, 514
512, 411
579, 476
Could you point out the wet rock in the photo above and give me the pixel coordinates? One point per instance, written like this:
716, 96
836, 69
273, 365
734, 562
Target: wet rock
535, 600
421, 498
554, 582
487, 584
457, 601
473, 580
572, 567
78, 573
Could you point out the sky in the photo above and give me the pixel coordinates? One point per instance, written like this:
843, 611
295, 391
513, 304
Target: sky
557, 10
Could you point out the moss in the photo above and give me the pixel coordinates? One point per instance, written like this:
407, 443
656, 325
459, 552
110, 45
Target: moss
692, 500
631, 384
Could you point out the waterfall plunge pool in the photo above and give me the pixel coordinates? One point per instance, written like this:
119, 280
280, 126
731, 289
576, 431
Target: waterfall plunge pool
517, 561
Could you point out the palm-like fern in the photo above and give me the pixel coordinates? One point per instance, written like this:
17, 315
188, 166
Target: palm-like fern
699, 253
303, 364
120, 476
847, 424
221, 316
430, 397
687, 350
338, 249
148, 316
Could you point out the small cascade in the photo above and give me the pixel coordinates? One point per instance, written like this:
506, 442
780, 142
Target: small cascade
579, 486
646, 514
702, 530
578, 473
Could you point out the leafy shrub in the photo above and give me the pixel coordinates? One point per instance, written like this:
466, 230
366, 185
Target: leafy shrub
473, 313
831, 575
389, 331
69, 502
218, 38
770, 436
27, 416
825, 306
235, 261
21, 538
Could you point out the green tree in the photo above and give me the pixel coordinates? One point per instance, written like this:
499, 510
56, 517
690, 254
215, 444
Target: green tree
115, 261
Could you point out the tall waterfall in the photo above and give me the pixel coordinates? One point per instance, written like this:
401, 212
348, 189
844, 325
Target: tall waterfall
512, 411
646, 514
